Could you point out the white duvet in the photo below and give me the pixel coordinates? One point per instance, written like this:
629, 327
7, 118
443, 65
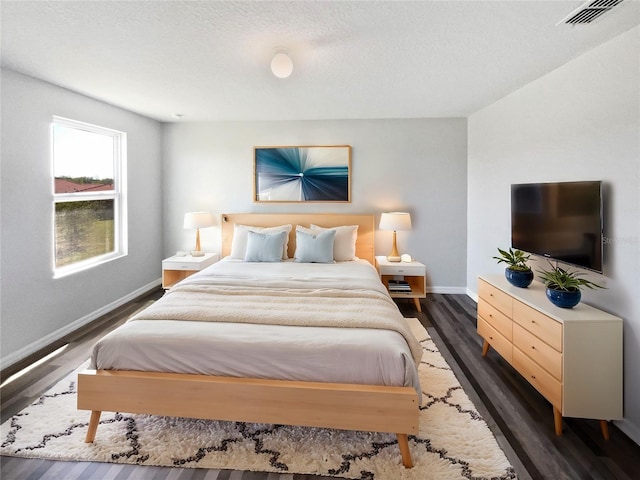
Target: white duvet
287, 320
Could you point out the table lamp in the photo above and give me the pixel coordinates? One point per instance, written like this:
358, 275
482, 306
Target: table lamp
197, 220
395, 221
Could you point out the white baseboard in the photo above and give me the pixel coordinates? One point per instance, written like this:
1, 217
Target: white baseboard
24, 352
446, 290
473, 295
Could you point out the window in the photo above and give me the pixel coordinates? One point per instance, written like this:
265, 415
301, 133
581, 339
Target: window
89, 205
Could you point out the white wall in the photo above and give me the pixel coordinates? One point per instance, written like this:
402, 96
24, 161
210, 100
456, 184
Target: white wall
413, 165
580, 122
36, 308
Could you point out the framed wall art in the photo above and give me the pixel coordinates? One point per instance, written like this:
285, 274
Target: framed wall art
302, 174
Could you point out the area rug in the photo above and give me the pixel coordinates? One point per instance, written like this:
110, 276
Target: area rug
454, 441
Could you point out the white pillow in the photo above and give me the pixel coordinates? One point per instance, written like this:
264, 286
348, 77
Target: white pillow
300, 228
240, 235
314, 246
344, 248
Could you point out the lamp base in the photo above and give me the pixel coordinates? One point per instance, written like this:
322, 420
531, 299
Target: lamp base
394, 256
197, 253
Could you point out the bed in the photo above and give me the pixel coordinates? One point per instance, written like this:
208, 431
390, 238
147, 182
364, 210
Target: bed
250, 301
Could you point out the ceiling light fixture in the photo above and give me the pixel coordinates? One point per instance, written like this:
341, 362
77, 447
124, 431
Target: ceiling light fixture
281, 64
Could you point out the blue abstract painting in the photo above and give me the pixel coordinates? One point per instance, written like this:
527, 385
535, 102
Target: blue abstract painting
302, 174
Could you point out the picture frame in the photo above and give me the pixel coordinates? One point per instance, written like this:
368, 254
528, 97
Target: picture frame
302, 174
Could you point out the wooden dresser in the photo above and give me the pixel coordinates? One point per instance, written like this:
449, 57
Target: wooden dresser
573, 357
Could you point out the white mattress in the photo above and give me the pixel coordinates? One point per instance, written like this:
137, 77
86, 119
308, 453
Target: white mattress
308, 353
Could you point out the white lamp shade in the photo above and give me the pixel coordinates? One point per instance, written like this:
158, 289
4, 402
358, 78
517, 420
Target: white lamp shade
395, 221
281, 65
194, 220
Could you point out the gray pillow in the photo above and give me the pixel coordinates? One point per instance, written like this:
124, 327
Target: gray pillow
239, 241
344, 248
315, 248
265, 247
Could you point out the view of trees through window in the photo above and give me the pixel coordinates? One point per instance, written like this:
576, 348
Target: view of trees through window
85, 193
83, 230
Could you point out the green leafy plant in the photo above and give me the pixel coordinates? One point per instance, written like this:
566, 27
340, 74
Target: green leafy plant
516, 259
557, 278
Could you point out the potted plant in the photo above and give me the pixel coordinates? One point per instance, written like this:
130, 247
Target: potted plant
518, 273
563, 285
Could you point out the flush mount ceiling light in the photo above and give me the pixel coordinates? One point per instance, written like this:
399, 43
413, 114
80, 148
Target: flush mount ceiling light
281, 64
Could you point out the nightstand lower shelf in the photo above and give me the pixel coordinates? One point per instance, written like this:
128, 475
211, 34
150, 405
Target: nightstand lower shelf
417, 289
171, 277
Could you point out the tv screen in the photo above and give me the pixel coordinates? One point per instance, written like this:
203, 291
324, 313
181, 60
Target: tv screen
562, 221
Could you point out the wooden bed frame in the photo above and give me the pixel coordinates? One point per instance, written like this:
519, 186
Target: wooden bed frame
312, 404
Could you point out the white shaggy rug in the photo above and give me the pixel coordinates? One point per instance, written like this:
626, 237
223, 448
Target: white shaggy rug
454, 441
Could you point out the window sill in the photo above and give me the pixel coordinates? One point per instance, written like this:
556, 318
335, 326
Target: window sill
81, 266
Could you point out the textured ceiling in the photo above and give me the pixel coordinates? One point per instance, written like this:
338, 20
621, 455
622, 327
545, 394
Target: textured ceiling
210, 60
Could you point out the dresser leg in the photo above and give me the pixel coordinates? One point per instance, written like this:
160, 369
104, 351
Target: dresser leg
557, 421
485, 348
604, 428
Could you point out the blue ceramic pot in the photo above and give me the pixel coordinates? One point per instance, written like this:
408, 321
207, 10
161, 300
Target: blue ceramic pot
519, 278
564, 299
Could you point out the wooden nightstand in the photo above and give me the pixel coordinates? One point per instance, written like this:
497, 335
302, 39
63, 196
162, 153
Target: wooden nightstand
414, 273
177, 268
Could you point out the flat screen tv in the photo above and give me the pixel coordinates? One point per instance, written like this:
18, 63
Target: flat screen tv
561, 221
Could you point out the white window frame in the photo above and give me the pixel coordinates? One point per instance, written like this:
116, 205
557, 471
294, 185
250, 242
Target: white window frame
118, 195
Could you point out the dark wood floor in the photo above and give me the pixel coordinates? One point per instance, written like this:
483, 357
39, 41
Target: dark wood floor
519, 417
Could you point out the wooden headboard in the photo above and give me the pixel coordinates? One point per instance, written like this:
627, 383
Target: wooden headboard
364, 244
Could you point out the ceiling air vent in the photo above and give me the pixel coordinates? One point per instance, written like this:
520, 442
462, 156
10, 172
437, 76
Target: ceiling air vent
590, 11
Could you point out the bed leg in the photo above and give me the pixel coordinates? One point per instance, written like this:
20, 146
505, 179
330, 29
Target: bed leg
93, 426
403, 443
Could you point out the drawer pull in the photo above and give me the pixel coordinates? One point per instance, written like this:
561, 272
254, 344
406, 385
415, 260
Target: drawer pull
490, 337
533, 321
533, 376
533, 347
